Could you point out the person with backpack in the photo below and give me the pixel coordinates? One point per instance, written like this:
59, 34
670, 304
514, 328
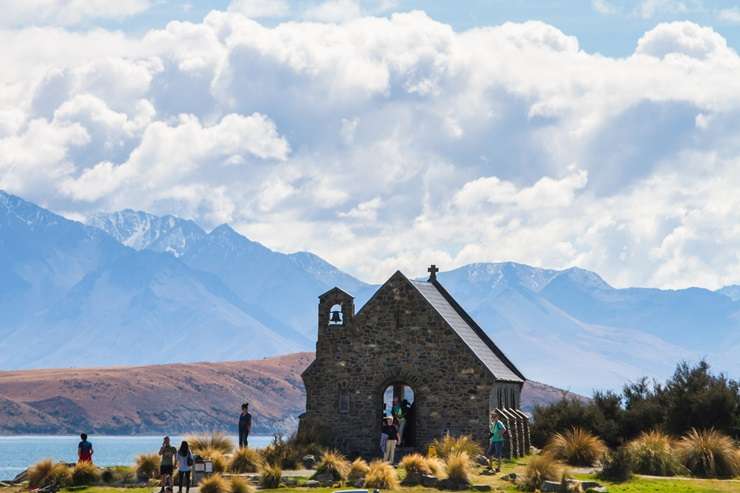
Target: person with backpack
497, 434
184, 466
84, 449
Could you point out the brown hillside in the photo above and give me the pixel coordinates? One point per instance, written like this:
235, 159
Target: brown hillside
167, 398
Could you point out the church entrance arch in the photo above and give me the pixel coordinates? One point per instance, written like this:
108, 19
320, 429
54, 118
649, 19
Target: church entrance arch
399, 400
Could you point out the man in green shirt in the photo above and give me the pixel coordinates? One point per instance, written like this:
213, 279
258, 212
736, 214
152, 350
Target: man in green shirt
497, 430
167, 464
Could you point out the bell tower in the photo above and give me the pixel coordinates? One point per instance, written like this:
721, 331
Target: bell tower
336, 310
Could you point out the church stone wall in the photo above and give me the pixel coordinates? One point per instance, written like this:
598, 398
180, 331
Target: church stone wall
396, 338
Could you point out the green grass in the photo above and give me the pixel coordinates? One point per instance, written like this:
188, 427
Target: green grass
106, 489
669, 485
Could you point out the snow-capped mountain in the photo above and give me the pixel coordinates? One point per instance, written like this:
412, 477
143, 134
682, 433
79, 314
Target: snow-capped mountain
147, 289
141, 230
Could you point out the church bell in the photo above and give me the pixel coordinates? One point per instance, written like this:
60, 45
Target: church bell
336, 317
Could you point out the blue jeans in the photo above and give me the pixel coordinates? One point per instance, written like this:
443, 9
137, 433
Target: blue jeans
496, 449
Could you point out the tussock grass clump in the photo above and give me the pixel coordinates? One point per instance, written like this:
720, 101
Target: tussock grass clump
449, 445
541, 468
617, 466
358, 470
709, 454
653, 453
147, 466
245, 460
211, 441
214, 484
415, 465
382, 476
577, 447
335, 464
46, 472
217, 457
85, 474
459, 468
240, 485
270, 477
437, 466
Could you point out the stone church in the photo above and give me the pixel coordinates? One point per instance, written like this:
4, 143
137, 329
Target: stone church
411, 341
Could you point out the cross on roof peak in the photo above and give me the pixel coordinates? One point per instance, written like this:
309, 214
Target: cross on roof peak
432, 272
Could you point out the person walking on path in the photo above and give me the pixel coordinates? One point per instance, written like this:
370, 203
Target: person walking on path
245, 426
497, 430
84, 450
184, 465
167, 464
391, 432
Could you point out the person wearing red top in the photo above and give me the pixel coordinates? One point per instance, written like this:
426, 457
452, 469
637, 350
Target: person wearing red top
84, 449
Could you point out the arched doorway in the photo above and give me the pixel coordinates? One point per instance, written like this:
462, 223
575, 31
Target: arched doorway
402, 395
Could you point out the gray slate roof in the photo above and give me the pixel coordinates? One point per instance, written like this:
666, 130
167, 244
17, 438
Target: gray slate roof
473, 336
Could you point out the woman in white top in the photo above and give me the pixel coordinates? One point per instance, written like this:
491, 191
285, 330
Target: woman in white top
184, 465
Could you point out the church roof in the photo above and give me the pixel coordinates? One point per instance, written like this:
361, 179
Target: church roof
469, 331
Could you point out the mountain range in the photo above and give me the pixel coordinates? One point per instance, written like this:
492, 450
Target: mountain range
131, 288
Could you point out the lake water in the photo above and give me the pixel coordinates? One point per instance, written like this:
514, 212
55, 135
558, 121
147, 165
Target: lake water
18, 452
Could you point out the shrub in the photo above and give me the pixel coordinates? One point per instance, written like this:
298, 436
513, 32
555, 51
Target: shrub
245, 460
652, 453
449, 445
358, 470
617, 465
415, 466
541, 468
577, 447
216, 456
437, 467
147, 466
46, 472
213, 441
214, 484
270, 477
459, 468
335, 464
85, 474
382, 476
240, 485
709, 454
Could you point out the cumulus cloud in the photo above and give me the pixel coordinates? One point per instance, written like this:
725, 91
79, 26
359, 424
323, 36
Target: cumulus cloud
257, 9
391, 142
67, 12
604, 7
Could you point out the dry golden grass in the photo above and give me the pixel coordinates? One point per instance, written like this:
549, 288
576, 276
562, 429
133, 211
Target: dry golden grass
438, 467
245, 460
653, 453
709, 454
270, 477
211, 441
415, 465
382, 476
147, 465
541, 468
216, 456
449, 445
240, 485
85, 474
577, 447
214, 484
358, 470
46, 472
459, 468
335, 464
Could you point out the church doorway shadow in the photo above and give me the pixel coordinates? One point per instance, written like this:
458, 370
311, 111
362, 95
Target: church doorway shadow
399, 401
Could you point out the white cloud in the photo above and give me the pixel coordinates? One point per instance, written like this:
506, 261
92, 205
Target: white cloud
257, 9
604, 7
386, 143
652, 8
67, 12
334, 11
731, 15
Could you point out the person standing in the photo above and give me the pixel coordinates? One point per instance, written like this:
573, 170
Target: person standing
184, 465
496, 430
399, 417
245, 426
167, 464
391, 432
84, 449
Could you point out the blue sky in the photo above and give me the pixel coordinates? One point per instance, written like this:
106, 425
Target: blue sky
612, 29
389, 134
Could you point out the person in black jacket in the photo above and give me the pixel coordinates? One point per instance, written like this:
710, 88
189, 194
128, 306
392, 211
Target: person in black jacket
245, 426
390, 430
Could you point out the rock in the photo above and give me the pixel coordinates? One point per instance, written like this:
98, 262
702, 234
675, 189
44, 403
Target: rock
550, 486
586, 485
324, 477
309, 461
429, 481
447, 484
510, 477
289, 481
482, 460
312, 484
482, 487
487, 472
